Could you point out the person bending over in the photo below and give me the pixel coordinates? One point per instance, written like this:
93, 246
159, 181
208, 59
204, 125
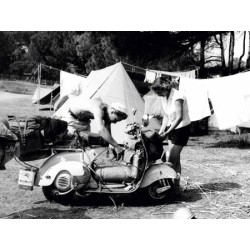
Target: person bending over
81, 111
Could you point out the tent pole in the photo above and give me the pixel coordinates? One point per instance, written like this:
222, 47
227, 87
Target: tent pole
39, 83
50, 108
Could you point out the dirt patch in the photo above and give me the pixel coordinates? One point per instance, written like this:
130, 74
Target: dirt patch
5, 96
215, 185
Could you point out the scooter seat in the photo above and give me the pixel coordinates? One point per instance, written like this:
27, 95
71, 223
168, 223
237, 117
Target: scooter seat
80, 127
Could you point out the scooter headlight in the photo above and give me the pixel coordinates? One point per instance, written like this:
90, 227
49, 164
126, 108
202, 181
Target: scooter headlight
63, 181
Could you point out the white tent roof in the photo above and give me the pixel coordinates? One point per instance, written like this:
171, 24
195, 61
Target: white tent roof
112, 84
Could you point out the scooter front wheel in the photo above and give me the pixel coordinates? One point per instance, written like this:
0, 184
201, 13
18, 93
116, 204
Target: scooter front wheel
159, 190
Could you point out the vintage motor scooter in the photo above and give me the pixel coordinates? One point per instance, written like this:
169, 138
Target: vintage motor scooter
86, 166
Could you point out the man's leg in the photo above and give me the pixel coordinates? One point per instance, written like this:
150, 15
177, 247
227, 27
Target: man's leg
2, 155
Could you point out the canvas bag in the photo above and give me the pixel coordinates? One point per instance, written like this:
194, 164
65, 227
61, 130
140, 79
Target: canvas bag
153, 143
28, 132
7, 144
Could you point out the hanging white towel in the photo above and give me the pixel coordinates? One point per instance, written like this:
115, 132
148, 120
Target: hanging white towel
198, 105
71, 84
150, 76
228, 100
197, 98
229, 95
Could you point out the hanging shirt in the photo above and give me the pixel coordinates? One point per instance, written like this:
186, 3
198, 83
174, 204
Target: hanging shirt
196, 95
168, 105
71, 84
150, 76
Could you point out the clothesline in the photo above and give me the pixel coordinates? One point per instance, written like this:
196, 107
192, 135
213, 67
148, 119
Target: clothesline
50, 67
133, 66
151, 70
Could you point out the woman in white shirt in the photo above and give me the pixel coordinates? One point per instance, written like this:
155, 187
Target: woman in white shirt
176, 122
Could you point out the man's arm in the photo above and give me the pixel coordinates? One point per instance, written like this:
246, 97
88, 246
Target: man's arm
103, 129
105, 133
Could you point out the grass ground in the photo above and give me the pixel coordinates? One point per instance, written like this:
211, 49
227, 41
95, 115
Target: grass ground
215, 181
19, 87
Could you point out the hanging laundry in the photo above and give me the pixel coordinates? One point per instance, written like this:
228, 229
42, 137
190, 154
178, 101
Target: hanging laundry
186, 74
198, 105
71, 84
150, 76
229, 95
197, 98
228, 101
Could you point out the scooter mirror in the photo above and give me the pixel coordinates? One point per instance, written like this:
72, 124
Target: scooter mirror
134, 110
145, 120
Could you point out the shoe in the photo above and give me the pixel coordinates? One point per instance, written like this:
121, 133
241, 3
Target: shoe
177, 180
2, 167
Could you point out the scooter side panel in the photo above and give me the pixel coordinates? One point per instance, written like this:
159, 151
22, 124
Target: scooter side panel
70, 161
157, 172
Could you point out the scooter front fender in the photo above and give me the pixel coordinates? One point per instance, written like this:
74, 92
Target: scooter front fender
157, 172
70, 161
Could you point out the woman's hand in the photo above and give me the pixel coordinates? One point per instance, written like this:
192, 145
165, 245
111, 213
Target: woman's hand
161, 132
164, 136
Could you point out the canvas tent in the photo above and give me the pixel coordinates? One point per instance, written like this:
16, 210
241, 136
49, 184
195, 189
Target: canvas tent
112, 84
70, 84
44, 95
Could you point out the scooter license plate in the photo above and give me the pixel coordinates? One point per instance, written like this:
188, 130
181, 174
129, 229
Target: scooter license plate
26, 179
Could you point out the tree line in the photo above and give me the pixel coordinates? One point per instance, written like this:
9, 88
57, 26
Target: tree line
22, 51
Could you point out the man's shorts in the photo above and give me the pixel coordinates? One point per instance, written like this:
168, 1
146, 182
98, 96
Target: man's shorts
180, 136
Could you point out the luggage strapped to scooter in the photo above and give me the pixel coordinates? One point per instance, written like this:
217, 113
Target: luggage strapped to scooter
28, 132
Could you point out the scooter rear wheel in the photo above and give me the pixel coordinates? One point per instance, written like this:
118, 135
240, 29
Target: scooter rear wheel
51, 194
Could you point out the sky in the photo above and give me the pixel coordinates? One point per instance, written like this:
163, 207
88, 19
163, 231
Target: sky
238, 49
239, 45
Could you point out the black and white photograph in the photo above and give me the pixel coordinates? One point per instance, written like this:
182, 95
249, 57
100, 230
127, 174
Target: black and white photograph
120, 124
